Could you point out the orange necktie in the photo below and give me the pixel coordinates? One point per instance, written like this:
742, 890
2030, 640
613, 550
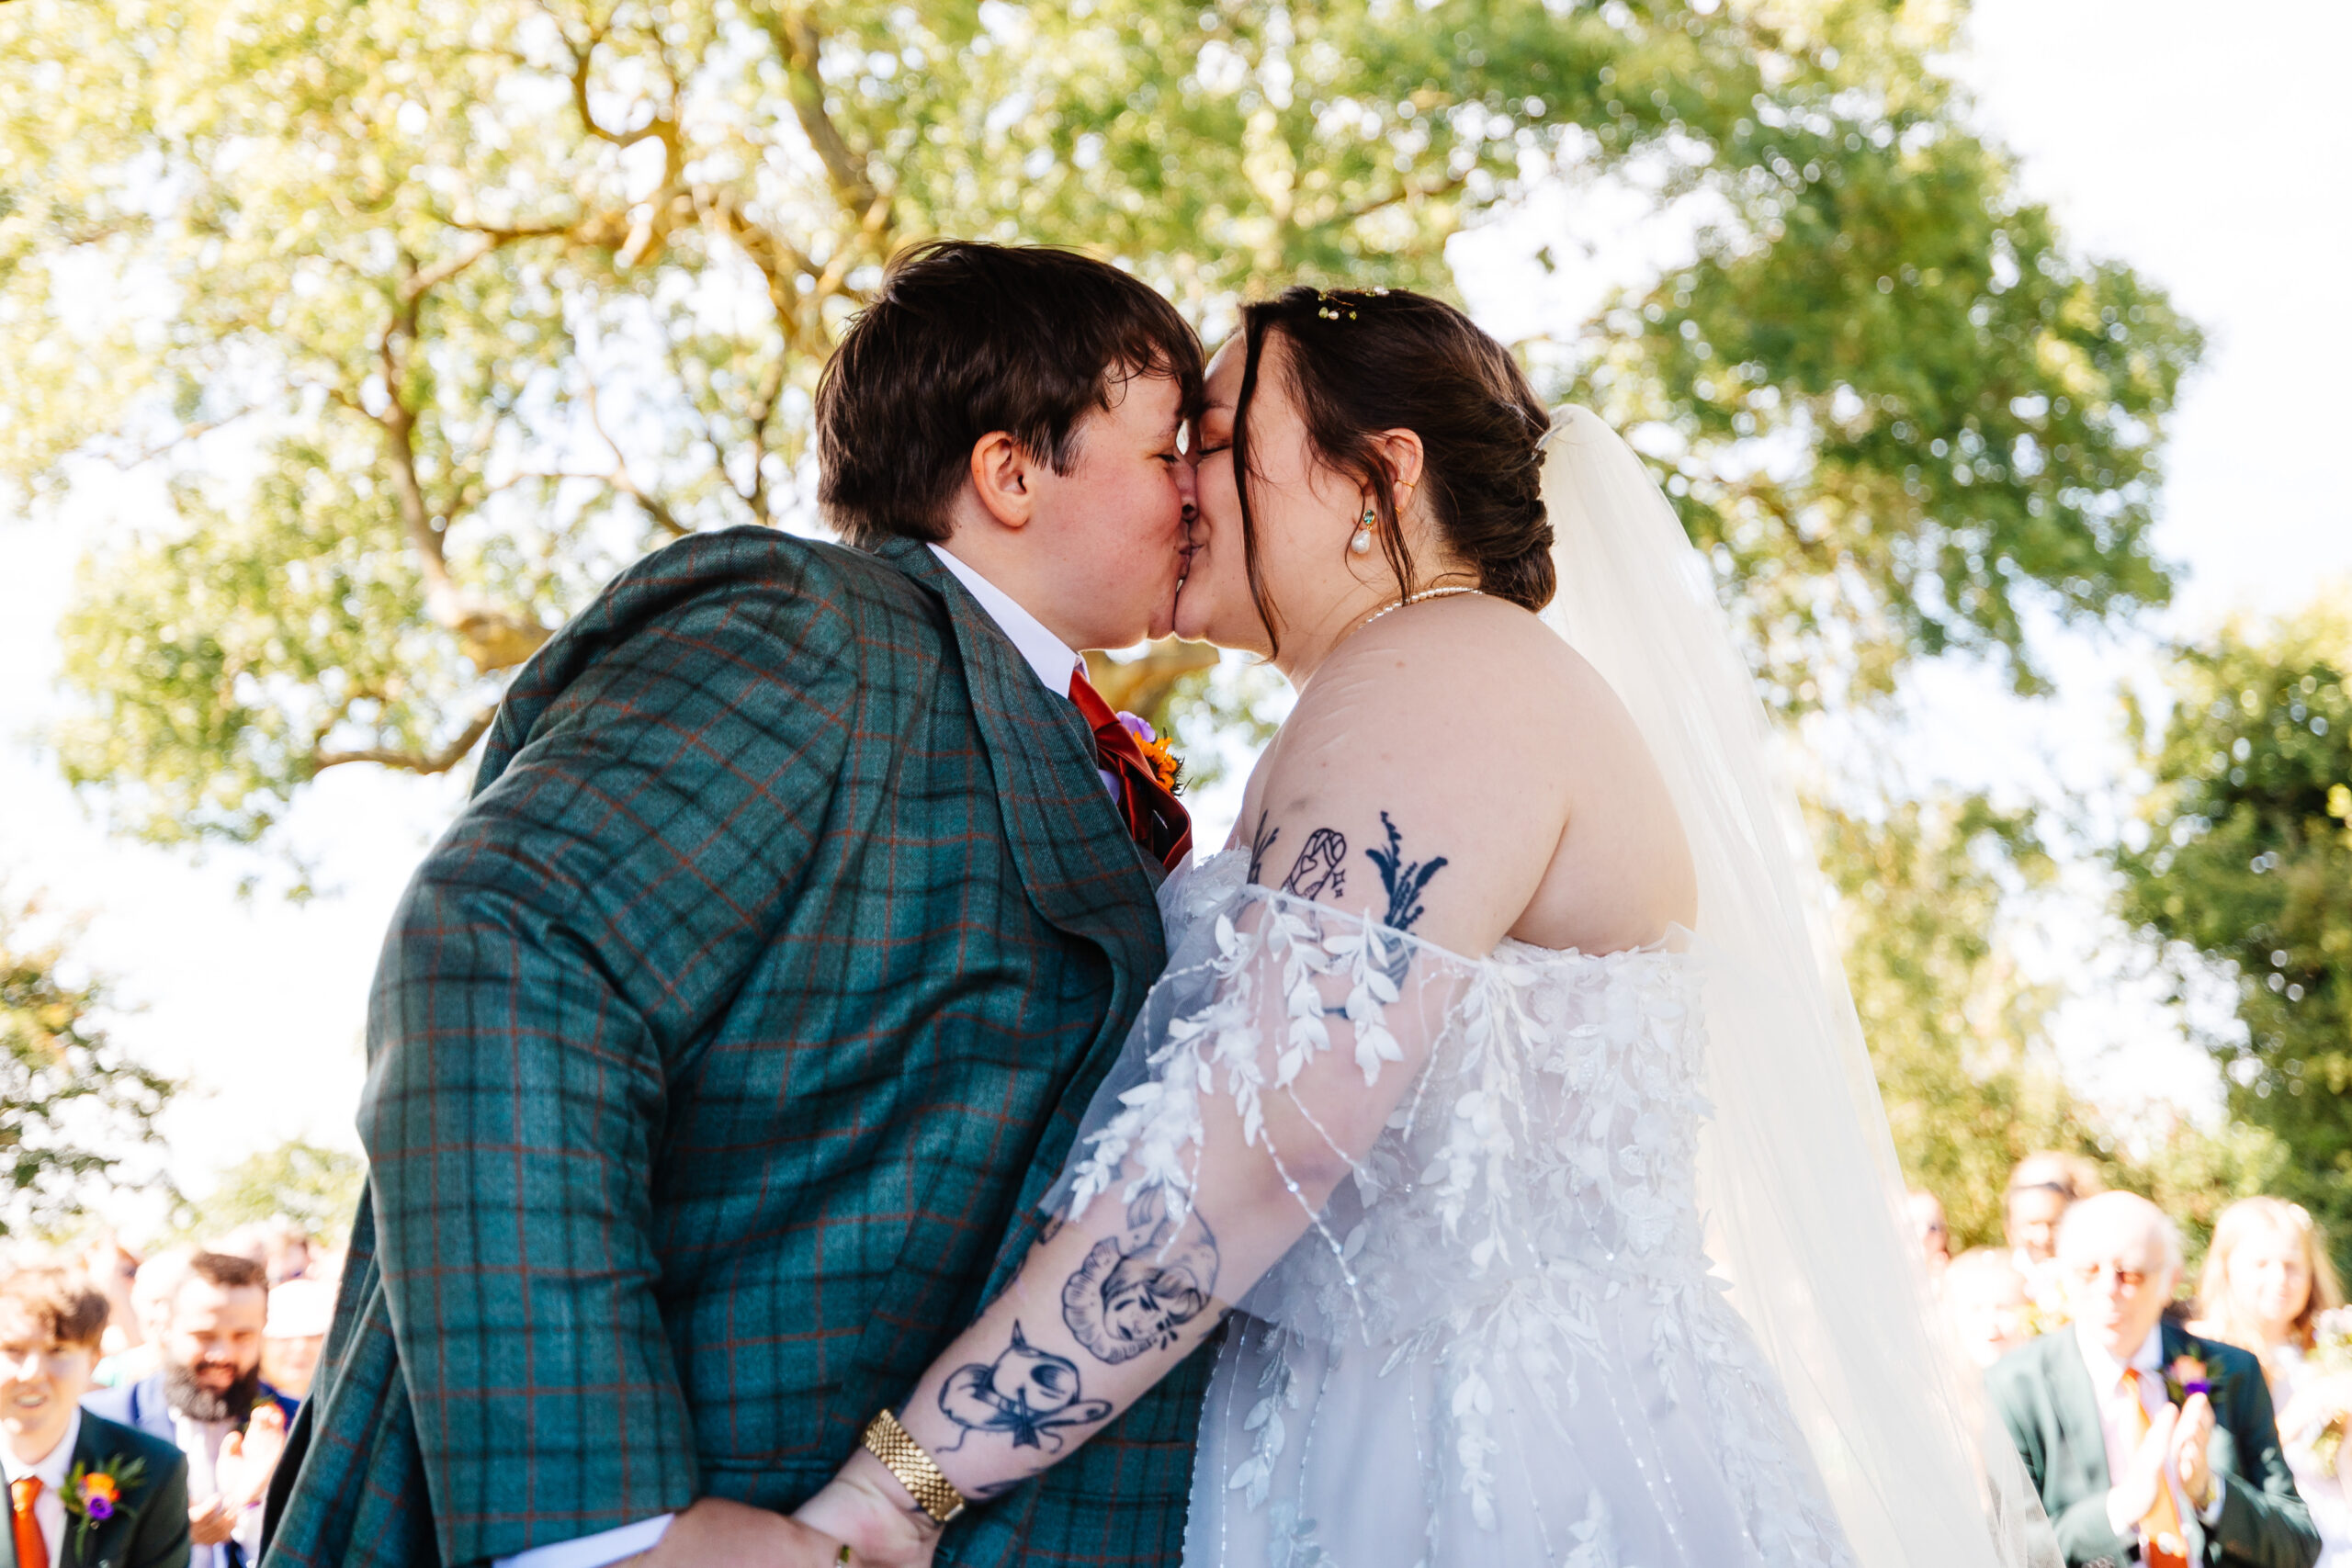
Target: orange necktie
31, 1550
2161, 1545
1153, 816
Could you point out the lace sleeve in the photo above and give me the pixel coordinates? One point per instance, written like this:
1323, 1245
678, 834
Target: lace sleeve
1284, 1032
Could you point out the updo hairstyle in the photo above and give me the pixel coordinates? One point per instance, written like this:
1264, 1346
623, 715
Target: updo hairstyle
1361, 362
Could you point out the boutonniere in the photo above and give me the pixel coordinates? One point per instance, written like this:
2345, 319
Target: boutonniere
2187, 1375
92, 1495
1156, 752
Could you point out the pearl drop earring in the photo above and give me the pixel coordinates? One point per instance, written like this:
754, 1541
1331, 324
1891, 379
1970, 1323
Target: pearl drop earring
1361, 542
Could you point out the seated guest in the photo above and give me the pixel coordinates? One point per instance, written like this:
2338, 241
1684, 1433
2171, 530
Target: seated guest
81, 1489
208, 1398
2146, 1443
1986, 1296
2266, 1280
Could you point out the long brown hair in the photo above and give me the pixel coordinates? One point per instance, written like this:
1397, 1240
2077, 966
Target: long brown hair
1364, 361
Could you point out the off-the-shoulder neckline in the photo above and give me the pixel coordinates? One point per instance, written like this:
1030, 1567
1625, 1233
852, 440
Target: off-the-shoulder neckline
1676, 942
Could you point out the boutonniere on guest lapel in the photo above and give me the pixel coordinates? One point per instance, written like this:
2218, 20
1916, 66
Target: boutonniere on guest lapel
1156, 751
92, 1494
2187, 1375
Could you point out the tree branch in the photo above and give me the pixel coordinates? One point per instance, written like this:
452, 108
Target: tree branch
1405, 192
797, 39
439, 761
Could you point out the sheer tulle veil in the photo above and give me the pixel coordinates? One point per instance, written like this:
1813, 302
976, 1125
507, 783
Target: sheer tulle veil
1798, 1174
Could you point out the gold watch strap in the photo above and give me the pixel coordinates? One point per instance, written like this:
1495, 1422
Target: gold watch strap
932, 1492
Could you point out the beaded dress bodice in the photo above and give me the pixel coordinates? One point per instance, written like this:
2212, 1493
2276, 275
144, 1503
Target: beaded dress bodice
1515, 1267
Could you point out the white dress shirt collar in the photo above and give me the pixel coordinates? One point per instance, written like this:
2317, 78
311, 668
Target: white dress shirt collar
2107, 1372
53, 1466
1054, 660
49, 1508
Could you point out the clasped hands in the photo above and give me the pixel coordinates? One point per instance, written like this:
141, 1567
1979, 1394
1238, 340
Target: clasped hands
2174, 1447
856, 1510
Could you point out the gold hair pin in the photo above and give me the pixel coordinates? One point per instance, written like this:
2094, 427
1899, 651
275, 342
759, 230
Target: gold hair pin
1333, 308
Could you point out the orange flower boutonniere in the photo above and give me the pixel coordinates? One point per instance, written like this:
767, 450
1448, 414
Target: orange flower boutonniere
2187, 1375
1156, 752
92, 1497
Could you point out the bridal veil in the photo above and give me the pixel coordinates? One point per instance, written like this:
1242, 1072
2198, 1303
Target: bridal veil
1798, 1181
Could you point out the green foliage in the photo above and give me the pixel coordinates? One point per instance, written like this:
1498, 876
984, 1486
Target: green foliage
1976, 403
2247, 864
1960, 1041
1953, 1029
71, 1104
500, 293
317, 1188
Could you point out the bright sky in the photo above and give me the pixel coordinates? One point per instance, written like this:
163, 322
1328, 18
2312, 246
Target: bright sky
2183, 143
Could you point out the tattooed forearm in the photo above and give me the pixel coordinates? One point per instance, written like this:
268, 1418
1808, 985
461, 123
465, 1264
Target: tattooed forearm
1317, 869
1260, 843
1026, 1393
1404, 879
1136, 1289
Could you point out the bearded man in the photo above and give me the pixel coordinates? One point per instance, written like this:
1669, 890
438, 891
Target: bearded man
209, 1400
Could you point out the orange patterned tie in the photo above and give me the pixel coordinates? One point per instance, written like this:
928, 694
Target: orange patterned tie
31, 1550
2161, 1545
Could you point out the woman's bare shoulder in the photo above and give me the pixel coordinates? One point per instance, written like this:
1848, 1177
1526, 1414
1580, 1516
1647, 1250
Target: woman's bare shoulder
1468, 662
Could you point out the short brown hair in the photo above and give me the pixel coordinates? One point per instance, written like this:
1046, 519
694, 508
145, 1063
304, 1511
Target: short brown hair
964, 338
227, 1271
59, 1305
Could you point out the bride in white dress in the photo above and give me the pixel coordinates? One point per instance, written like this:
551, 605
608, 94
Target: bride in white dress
1499, 1077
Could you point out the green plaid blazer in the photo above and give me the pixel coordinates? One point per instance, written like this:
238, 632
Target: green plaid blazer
718, 1059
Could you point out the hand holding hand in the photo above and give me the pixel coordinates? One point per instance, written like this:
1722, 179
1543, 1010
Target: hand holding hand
715, 1531
865, 1506
2134, 1492
2189, 1460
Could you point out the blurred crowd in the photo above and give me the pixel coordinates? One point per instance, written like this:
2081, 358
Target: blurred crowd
2160, 1423
203, 1351
2086, 1316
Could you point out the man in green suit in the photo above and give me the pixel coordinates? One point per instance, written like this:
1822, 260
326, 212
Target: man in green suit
2146, 1443
83, 1492
721, 1053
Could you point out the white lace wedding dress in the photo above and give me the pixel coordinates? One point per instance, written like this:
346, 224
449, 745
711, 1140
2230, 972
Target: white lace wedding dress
1499, 1344
1625, 1278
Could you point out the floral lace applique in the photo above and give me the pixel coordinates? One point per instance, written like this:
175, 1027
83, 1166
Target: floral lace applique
1528, 1207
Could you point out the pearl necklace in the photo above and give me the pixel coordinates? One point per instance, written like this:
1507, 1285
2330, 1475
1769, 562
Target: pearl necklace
1415, 599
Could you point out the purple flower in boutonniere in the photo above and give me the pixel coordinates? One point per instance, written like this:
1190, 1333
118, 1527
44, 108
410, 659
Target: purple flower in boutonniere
2188, 1375
92, 1495
1156, 752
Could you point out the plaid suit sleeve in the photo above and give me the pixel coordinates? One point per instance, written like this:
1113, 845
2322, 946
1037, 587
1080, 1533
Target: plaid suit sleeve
580, 927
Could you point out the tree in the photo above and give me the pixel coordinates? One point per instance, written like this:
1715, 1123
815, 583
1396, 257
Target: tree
492, 296
2246, 864
316, 1188
1957, 1035
73, 1104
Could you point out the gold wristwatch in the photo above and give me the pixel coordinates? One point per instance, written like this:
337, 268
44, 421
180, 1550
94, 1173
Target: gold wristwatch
904, 1457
